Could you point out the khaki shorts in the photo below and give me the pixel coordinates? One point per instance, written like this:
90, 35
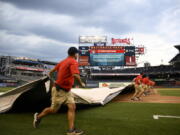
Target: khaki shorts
138, 88
60, 97
145, 87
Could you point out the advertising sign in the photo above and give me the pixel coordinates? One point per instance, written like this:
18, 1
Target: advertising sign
92, 39
130, 60
140, 50
125, 41
83, 60
113, 84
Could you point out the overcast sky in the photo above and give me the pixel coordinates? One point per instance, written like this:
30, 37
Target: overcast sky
44, 29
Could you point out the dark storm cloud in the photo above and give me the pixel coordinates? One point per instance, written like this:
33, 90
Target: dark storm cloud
55, 34
60, 22
117, 17
71, 7
122, 17
44, 50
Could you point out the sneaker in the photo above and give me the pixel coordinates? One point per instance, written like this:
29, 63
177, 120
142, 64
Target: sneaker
36, 121
134, 99
139, 99
75, 132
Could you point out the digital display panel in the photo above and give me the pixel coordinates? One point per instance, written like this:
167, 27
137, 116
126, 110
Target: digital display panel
129, 50
106, 59
107, 55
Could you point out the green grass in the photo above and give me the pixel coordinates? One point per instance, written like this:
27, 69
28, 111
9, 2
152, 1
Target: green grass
4, 89
169, 91
168, 88
111, 119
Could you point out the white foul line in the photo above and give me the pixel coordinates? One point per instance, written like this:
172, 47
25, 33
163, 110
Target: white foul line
165, 116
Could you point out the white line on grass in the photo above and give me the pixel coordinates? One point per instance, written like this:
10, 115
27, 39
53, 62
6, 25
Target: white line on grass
156, 117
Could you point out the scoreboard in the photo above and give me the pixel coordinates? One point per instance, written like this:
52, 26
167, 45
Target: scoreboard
107, 56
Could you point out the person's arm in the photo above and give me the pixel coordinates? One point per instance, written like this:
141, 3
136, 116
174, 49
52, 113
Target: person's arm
77, 76
54, 69
51, 71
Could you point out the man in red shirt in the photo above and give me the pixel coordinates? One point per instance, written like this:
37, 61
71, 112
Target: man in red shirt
67, 70
151, 87
145, 85
138, 87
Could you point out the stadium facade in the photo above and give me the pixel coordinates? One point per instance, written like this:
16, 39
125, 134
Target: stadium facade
15, 69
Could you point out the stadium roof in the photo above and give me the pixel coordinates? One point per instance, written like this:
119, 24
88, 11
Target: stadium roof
177, 57
49, 62
26, 62
177, 47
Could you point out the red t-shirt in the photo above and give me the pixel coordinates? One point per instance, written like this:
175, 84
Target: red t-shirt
145, 80
138, 79
151, 83
65, 70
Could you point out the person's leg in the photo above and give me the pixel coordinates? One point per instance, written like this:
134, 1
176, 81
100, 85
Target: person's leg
135, 93
71, 115
55, 105
148, 91
141, 91
46, 111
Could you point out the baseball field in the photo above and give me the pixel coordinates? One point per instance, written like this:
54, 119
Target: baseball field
115, 118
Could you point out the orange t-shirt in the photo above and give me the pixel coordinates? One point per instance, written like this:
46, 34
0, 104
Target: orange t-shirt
145, 80
65, 70
138, 79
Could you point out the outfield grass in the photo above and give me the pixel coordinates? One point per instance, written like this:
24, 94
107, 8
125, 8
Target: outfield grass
112, 119
167, 88
169, 91
4, 89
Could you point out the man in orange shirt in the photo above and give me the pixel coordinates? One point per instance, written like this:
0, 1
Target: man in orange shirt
67, 70
138, 87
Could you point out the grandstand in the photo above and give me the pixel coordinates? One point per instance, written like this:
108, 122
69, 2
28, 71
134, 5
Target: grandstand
23, 69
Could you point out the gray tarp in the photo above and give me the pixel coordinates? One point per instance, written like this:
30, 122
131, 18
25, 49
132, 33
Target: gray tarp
34, 96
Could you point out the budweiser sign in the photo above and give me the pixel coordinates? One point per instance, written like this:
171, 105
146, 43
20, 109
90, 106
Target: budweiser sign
126, 41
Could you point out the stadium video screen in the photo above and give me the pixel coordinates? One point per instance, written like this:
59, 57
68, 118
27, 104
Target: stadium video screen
106, 59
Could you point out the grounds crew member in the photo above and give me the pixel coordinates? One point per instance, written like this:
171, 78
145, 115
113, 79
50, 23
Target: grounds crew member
145, 83
151, 87
138, 87
67, 70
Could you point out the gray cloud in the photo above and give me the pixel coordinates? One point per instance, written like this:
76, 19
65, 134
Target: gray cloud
75, 7
42, 49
